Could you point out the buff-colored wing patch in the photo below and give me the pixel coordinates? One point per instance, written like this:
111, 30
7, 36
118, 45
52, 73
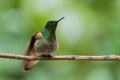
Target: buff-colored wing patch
38, 35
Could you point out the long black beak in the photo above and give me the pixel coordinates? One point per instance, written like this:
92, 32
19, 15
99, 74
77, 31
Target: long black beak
60, 19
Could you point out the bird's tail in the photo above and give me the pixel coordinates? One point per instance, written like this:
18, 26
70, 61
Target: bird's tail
27, 65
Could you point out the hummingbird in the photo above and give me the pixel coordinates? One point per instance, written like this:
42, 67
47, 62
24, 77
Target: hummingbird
42, 43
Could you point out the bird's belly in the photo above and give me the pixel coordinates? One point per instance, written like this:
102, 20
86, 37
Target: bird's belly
46, 48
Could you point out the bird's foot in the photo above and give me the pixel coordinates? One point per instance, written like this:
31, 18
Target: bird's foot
46, 56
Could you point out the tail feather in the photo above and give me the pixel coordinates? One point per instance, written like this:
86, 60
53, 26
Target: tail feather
29, 64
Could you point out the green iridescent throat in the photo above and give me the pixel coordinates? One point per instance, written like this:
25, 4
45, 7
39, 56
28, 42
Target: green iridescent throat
47, 34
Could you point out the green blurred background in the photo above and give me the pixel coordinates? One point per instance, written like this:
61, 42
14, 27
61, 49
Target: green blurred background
90, 27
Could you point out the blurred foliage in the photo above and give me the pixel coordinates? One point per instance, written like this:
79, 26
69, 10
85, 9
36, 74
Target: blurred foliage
90, 27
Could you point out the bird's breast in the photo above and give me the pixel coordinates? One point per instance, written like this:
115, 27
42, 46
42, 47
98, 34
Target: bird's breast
45, 47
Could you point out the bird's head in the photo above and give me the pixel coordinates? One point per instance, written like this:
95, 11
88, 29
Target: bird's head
51, 25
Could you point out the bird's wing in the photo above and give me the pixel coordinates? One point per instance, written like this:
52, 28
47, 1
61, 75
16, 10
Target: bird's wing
27, 65
30, 48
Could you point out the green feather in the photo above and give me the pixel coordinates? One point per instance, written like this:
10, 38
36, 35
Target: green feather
46, 34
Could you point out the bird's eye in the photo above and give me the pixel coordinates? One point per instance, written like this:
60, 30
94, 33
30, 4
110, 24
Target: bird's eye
49, 23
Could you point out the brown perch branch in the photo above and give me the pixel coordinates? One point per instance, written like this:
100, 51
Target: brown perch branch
62, 57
